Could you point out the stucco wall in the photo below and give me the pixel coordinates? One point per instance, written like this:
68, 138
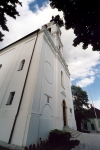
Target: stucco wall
13, 80
49, 115
92, 121
38, 114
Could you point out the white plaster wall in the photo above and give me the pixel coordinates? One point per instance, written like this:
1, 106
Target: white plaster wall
28, 98
21, 120
68, 98
44, 85
46, 115
13, 80
36, 116
32, 127
49, 115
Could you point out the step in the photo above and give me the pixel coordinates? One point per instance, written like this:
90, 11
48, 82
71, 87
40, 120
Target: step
74, 133
68, 129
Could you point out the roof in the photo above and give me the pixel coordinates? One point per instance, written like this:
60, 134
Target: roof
92, 113
21, 39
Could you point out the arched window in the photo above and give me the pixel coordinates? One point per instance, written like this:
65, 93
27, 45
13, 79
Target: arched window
21, 65
0, 65
10, 99
62, 79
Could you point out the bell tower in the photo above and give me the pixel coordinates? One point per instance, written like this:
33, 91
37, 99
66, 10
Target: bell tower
55, 33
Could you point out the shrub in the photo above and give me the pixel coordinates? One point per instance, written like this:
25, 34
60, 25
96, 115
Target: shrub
73, 143
59, 140
59, 137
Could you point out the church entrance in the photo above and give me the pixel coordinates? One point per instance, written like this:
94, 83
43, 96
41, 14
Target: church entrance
64, 114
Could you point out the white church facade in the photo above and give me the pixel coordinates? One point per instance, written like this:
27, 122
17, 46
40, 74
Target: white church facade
35, 91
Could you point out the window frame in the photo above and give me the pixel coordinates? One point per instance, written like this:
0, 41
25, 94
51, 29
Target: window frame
0, 66
92, 126
21, 65
62, 79
10, 98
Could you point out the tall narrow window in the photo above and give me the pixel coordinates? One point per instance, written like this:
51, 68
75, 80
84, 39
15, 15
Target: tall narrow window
62, 79
0, 66
10, 99
21, 65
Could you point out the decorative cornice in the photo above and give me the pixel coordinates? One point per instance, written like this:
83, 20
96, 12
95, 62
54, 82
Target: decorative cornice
59, 40
62, 60
55, 50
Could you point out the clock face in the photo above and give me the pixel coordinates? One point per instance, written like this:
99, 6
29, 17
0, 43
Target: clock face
48, 72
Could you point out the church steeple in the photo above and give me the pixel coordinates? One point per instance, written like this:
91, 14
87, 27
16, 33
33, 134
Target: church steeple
55, 32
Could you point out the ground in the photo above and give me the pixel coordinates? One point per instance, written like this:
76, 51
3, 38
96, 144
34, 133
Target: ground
88, 141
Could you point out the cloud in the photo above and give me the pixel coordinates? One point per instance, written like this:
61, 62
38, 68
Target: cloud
86, 81
97, 104
27, 22
78, 59
81, 62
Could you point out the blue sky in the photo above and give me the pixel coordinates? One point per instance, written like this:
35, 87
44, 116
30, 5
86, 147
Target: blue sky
93, 88
84, 65
40, 3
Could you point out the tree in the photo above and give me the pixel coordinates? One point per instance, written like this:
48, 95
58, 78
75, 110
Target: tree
80, 100
57, 20
7, 7
83, 17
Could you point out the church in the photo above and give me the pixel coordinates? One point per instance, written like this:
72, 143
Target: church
35, 90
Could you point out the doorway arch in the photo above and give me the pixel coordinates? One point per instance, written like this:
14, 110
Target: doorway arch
64, 113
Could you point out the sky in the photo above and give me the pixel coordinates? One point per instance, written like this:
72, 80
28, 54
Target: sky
84, 65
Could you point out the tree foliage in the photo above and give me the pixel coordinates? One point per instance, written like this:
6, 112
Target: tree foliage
83, 17
80, 100
7, 7
57, 20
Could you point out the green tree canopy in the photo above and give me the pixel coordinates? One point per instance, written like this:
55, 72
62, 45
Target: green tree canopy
80, 105
57, 20
83, 16
7, 7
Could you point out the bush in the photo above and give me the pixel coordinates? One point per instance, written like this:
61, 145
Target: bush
59, 140
73, 143
59, 137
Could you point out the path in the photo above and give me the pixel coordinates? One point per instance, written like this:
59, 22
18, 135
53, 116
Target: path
88, 142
